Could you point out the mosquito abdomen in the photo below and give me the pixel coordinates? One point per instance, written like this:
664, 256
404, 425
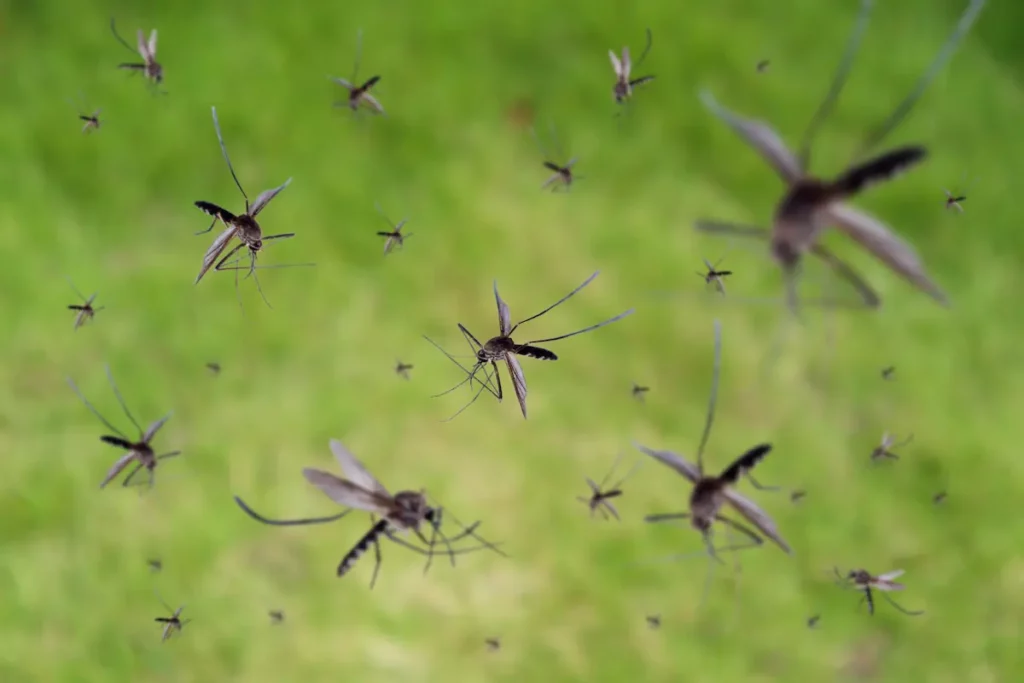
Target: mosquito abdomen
535, 352
361, 547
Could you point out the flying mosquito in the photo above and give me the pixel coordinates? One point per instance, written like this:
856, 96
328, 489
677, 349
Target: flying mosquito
404, 511
600, 497
92, 121
887, 373
812, 622
623, 89
149, 67
276, 616
714, 276
172, 623
763, 65
155, 564
861, 580
797, 496
242, 226
86, 311
213, 367
811, 205
953, 199
138, 451
402, 369
504, 348
639, 392
563, 176
654, 621
394, 236
885, 449
359, 94
493, 644
939, 497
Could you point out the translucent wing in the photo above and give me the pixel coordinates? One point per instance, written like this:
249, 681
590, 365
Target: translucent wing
518, 380
372, 102
215, 250
616, 64
355, 470
504, 316
756, 516
343, 83
889, 576
152, 44
627, 63
673, 460
265, 197
141, 43
155, 427
118, 468
761, 137
344, 492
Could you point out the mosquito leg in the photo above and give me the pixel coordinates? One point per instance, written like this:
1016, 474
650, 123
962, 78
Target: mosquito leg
93, 410
203, 232
287, 522
128, 480
666, 517
761, 487
377, 560
892, 602
713, 398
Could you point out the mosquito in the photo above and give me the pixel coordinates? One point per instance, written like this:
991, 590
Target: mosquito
394, 236
404, 511
811, 205
715, 276
276, 616
600, 497
639, 392
155, 564
493, 644
654, 621
623, 89
887, 373
862, 580
359, 94
86, 311
172, 623
214, 368
504, 348
149, 67
953, 199
92, 121
885, 449
402, 369
562, 176
812, 622
939, 497
797, 496
139, 451
762, 66
242, 226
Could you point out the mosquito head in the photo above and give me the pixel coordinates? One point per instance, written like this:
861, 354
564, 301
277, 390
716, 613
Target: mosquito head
255, 245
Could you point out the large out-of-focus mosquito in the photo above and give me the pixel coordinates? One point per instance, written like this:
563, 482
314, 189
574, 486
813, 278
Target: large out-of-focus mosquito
562, 176
86, 310
147, 50
811, 205
359, 94
600, 497
862, 580
139, 451
172, 623
504, 348
624, 83
886, 449
715, 276
393, 236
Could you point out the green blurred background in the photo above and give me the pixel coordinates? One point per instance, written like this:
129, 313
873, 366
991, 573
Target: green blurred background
462, 82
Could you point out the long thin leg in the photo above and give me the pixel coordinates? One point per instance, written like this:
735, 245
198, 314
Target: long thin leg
287, 522
901, 609
224, 149
483, 385
377, 560
709, 420
127, 480
560, 301
113, 29
120, 399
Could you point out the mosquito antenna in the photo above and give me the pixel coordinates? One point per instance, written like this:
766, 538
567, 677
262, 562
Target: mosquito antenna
713, 398
287, 522
647, 49
620, 316
224, 149
562, 300
838, 81
164, 602
964, 25
121, 40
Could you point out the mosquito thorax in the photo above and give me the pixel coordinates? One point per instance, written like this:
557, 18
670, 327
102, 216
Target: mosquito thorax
411, 507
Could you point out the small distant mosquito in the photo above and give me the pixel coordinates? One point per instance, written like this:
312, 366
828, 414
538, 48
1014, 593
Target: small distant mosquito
214, 368
504, 348
404, 511
813, 621
885, 449
887, 373
939, 497
862, 580
812, 205
92, 121
138, 451
172, 623
563, 176
86, 311
243, 226
599, 498
402, 369
714, 276
155, 564
624, 84
394, 236
493, 644
276, 616
147, 50
953, 199
359, 94
639, 392
762, 65
654, 621
797, 496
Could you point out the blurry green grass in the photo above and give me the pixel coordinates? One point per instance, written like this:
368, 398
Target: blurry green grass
113, 210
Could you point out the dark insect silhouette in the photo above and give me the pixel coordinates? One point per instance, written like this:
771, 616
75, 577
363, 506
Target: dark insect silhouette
214, 368
562, 176
149, 67
811, 205
885, 449
155, 564
862, 580
887, 373
91, 121
276, 616
762, 66
504, 348
138, 451
359, 94
639, 392
172, 623
85, 310
654, 621
812, 622
954, 199
797, 496
493, 644
393, 236
600, 497
402, 369
715, 276
939, 497
624, 82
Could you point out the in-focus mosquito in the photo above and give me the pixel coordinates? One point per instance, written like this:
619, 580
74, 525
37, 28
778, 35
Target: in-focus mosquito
624, 83
139, 451
715, 276
359, 94
276, 616
504, 348
85, 310
639, 392
862, 580
393, 236
600, 497
811, 205
402, 369
172, 623
562, 176
404, 511
243, 226
886, 448
149, 67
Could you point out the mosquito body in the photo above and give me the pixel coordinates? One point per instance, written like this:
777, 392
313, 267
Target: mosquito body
600, 498
172, 623
953, 201
715, 276
394, 236
92, 121
276, 616
503, 348
939, 497
562, 174
149, 67
797, 496
359, 95
810, 205
139, 451
402, 370
155, 564
862, 580
639, 392
886, 448
624, 82
813, 621
85, 310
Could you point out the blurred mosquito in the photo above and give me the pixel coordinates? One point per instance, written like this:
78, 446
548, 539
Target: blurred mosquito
639, 392
939, 497
86, 311
243, 226
715, 276
214, 368
813, 621
172, 623
886, 449
953, 199
493, 644
155, 564
359, 94
563, 176
624, 83
504, 348
276, 616
887, 373
149, 67
92, 121
763, 65
862, 580
138, 451
600, 497
654, 621
811, 205
402, 369
797, 496
394, 236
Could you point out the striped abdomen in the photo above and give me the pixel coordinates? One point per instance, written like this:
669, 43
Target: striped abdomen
362, 546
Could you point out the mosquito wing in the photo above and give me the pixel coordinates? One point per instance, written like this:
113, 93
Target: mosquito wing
215, 250
889, 576
155, 427
673, 460
355, 470
344, 492
518, 380
627, 63
343, 83
756, 516
265, 198
616, 64
151, 46
504, 316
118, 468
372, 102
